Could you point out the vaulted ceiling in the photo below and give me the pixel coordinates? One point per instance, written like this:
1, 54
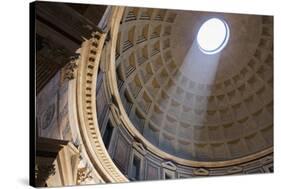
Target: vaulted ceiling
205, 112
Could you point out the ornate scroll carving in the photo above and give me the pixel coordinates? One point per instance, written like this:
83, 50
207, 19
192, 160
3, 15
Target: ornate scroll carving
83, 174
69, 70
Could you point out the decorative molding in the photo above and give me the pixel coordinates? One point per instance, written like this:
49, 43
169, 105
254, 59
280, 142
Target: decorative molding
201, 172
235, 169
169, 165
267, 160
86, 101
139, 147
116, 113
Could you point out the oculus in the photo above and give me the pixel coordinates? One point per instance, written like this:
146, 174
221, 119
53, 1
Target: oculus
213, 36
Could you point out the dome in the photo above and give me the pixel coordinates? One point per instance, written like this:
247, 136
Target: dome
190, 104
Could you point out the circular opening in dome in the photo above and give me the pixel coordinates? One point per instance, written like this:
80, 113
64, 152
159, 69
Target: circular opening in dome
213, 36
